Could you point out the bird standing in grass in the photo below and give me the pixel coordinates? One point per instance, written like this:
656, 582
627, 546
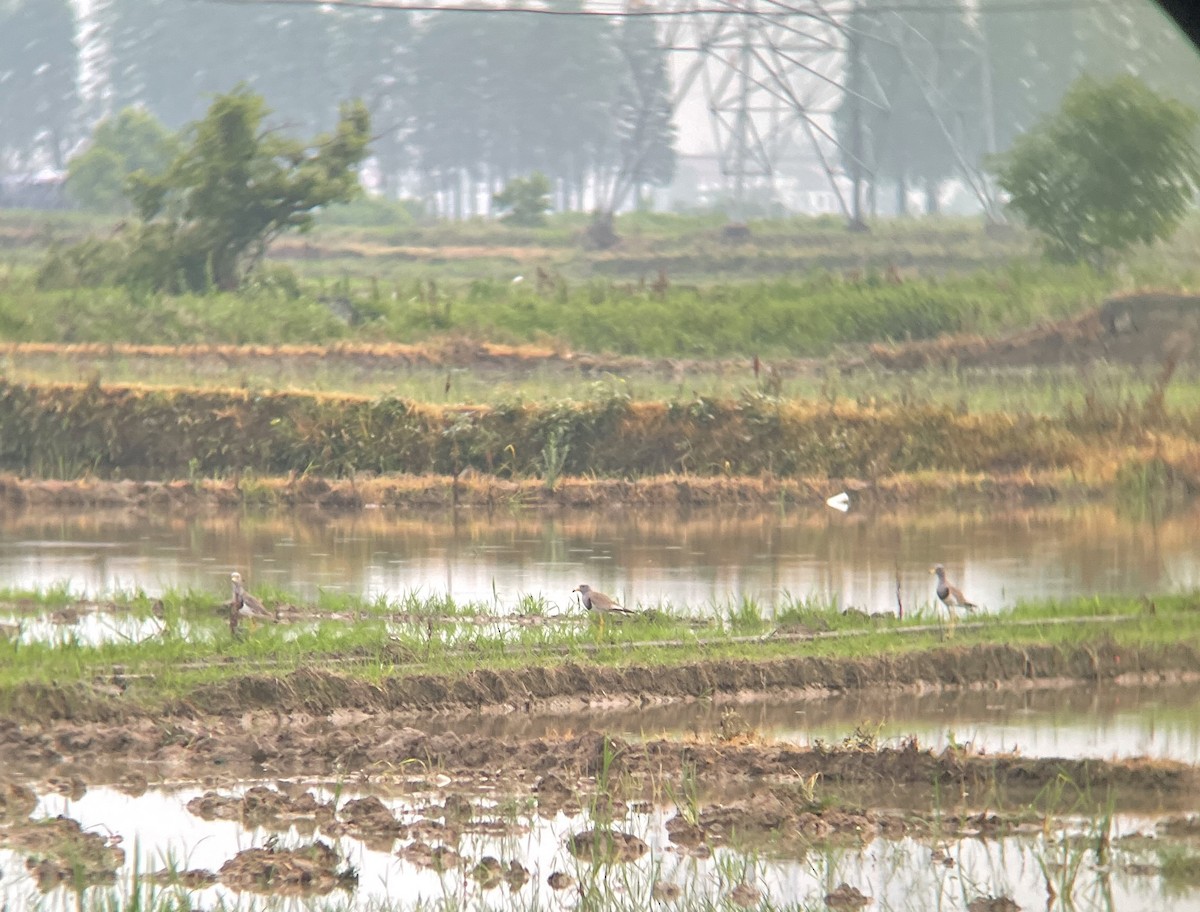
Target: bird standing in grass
950, 596
245, 605
600, 603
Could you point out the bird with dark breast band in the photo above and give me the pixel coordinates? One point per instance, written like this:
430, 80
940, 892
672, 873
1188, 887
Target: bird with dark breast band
950, 596
245, 605
600, 603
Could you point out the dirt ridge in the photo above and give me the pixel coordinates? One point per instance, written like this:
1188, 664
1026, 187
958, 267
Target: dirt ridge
321, 747
320, 692
311, 690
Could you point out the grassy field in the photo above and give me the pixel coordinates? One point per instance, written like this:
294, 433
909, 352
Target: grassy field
672, 288
805, 314
413, 636
538, 375
662, 403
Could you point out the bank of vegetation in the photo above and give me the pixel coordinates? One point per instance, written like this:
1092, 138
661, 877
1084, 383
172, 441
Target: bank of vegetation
808, 313
432, 653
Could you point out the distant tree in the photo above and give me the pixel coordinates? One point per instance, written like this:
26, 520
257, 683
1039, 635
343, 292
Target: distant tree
944, 139
293, 63
170, 57
451, 67
525, 200
370, 60
1031, 57
641, 116
571, 71
1115, 166
233, 188
908, 100
39, 79
131, 140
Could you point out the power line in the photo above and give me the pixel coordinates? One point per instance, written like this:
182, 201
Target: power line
1021, 6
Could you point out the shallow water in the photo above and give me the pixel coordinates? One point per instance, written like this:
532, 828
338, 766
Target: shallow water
703, 560
156, 829
1080, 720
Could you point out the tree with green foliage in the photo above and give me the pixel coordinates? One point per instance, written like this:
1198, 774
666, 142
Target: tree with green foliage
131, 140
1115, 166
525, 199
233, 188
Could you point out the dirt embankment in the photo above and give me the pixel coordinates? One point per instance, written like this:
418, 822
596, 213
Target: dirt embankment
558, 687
1135, 329
383, 746
313, 725
475, 489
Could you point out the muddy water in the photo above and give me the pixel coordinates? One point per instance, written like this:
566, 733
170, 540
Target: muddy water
158, 831
1103, 722
702, 559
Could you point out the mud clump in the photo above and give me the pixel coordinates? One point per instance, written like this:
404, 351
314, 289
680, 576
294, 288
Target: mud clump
744, 895
488, 872
554, 795
683, 832
59, 851
1179, 826
664, 891
457, 809
993, 904
17, 802
369, 820
439, 858
779, 815
192, 879
264, 807
516, 876
606, 846
845, 896
310, 870
560, 880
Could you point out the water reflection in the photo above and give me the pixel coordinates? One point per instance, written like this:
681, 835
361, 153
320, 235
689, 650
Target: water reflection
1111, 721
697, 558
932, 874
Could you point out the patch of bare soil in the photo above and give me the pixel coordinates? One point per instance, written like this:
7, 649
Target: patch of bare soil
298, 744
58, 851
1132, 329
527, 688
572, 685
311, 870
605, 845
456, 351
475, 489
845, 896
265, 808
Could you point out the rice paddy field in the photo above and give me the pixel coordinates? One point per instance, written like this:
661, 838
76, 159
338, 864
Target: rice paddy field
415, 440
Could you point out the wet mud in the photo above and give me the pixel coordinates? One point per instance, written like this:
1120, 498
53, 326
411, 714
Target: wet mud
309, 870
58, 851
557, 773
572, 684
473, 489
298, 742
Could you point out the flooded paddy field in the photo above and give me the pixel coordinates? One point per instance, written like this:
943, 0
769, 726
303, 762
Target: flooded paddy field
596, 822
977, 775
1070, 719
701, 560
